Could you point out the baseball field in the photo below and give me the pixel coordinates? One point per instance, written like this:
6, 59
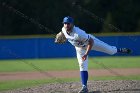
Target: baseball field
106, 74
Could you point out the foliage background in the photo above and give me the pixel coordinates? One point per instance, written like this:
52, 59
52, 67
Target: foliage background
123, 14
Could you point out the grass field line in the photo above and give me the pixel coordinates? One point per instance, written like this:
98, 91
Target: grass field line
65, 74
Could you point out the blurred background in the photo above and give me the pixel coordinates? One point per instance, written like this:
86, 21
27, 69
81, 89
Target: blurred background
28, 18
27, 34
123, 14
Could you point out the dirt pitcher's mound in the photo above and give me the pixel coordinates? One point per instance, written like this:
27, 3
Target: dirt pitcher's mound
114, 86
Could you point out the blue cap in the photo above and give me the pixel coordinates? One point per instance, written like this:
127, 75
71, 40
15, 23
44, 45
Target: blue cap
68, 20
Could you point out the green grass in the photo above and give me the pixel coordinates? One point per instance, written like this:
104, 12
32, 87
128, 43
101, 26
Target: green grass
115, 62
67, 64
63, 64
43, 64
8, 85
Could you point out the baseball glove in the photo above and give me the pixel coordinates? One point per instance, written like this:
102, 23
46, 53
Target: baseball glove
60, 38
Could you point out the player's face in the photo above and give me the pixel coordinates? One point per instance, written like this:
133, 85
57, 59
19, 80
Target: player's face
68, 26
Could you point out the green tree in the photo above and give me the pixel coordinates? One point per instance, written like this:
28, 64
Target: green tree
106, 23
138, 27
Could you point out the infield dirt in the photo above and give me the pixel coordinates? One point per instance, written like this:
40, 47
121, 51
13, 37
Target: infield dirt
66, 74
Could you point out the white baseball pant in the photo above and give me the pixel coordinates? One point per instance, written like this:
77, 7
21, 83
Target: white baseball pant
98, 45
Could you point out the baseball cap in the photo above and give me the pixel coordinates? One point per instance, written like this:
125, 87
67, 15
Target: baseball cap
68, 20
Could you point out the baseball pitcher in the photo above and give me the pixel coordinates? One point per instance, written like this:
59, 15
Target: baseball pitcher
84, 43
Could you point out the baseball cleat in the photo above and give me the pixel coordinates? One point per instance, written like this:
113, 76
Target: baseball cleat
125, 50
83, 90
